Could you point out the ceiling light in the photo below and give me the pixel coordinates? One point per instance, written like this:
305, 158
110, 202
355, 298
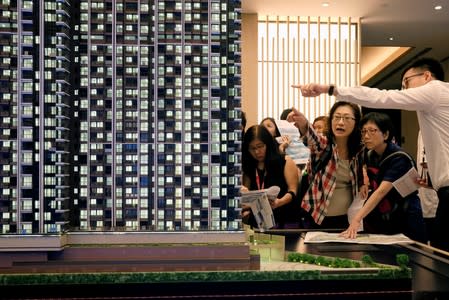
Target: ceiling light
391, 38
438, 7
325, 4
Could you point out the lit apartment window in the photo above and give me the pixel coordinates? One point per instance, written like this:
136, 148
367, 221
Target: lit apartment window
27, 133
144, 214
215, 7
84, 28
27, 110
84, 5
84, 137
215, 18
144, 7
144, 61
27, 228
131, 17
27, 4
27, 157
50, 180
27, 87
27, 181
27, 62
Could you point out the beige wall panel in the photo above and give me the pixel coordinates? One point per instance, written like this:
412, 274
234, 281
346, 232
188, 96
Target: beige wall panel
249, 68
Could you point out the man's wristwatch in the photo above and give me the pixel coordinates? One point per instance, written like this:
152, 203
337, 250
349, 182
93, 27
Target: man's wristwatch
330, 91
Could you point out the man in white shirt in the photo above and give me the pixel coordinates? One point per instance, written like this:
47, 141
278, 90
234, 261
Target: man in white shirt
423, 91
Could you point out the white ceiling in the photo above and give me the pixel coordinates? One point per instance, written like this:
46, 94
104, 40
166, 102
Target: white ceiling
412, 23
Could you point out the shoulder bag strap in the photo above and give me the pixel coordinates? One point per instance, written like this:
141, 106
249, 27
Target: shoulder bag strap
398, 153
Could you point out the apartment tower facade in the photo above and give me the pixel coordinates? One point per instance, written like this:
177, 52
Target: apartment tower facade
119, 115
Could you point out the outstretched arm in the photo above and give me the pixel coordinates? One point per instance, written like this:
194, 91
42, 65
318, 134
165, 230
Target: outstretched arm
314, 89
300, 121
371, 203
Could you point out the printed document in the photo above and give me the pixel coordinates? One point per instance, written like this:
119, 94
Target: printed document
407, 183
362, 238
296, 149
259, 202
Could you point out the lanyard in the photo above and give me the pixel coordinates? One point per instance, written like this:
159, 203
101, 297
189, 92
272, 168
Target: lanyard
259, 187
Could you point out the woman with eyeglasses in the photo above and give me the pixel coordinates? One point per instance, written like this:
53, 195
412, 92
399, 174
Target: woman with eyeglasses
335, 169
386, 211
263, 167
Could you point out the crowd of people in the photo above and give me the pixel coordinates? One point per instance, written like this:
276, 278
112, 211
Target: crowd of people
355, 158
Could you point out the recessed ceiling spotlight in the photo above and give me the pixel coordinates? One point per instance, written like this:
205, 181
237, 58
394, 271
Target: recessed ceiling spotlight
325, 4
438, 7
391, 38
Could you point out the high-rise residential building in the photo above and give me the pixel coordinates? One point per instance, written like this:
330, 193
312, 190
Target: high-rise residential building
35, 115
119, 115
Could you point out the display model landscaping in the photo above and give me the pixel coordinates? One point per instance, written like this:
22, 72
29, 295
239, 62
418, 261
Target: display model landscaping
199, 269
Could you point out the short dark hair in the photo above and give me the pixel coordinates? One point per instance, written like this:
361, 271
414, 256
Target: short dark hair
427, 64
382, 120
285, 113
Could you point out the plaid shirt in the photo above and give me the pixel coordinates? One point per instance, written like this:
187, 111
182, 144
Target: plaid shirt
323, 183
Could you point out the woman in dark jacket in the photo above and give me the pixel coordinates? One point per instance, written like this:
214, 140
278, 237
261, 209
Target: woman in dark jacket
386, 211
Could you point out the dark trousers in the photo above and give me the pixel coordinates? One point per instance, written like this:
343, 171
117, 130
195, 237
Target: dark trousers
430, 223
440, 236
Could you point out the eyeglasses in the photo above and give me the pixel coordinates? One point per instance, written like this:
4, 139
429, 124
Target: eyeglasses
370, 131
345, 118
257, 147
407, 79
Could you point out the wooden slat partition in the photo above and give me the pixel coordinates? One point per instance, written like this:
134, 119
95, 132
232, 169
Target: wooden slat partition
296, 49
